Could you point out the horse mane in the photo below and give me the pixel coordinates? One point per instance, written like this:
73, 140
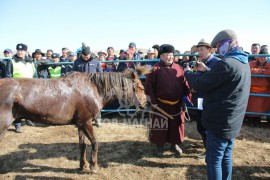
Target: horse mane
112, 84
108, 84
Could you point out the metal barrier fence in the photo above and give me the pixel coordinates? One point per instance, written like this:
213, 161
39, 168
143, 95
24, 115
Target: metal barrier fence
157, 60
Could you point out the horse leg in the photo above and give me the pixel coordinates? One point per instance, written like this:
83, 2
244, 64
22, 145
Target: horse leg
89, 132
5, 121
84, 165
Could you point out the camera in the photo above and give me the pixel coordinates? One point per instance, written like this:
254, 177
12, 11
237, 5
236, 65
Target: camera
191, 64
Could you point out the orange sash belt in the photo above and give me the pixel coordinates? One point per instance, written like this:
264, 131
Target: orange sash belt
168, 102
258, 89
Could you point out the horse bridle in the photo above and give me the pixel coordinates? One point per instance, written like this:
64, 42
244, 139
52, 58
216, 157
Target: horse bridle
135, 86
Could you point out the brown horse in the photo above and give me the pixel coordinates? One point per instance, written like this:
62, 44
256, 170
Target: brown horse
74, 99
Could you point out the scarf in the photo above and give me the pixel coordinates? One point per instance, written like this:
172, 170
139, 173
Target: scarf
238, 55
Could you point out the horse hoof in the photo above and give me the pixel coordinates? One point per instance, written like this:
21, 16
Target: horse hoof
84, 170
94, 169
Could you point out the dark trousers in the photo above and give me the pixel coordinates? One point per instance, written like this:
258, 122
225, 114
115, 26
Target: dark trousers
18, 123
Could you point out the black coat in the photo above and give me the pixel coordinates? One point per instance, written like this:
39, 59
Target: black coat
226, 87
3, 72
92, 65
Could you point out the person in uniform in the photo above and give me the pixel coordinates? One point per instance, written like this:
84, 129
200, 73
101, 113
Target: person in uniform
165, 86
21, 67
55, 71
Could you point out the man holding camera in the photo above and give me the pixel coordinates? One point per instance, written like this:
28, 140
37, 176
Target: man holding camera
226, 91
204, 50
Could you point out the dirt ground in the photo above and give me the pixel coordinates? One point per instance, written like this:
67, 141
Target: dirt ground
52, 152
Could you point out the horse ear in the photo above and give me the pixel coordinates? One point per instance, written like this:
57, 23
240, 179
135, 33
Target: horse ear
143, 70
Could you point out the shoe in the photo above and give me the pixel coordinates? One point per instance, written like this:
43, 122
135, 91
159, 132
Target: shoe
175, 148
201, 156
256, 122
18, 129
159, 151
30, 123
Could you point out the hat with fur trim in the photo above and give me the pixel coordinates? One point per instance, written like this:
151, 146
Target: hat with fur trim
21, 47
166, 48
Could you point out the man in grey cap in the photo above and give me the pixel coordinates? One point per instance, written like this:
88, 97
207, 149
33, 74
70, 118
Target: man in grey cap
226, 89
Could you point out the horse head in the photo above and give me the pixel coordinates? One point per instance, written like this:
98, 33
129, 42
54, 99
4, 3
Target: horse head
138, 87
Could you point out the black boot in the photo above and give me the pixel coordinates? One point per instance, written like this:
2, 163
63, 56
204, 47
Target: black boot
159, 151
256, 121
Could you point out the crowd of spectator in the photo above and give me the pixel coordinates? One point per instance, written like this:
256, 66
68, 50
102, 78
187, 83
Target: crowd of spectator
41, 59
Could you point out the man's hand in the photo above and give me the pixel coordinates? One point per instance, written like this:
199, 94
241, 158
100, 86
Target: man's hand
201, 66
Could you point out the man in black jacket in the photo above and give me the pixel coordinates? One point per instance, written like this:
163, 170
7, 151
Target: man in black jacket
86, 63
226, 87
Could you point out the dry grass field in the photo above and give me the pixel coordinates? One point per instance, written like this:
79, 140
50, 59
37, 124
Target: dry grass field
52, 152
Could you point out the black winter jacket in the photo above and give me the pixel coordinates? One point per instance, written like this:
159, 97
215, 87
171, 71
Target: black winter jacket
226, 87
